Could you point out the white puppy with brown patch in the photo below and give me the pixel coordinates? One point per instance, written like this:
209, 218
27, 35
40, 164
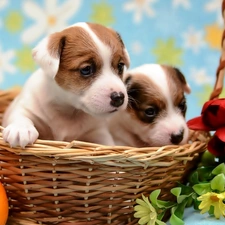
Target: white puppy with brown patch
78, 84
155, 115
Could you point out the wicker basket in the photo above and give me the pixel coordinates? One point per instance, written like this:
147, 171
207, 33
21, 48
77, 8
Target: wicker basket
80, 183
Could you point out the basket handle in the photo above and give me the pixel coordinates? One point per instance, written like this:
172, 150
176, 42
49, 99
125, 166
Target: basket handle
218, 87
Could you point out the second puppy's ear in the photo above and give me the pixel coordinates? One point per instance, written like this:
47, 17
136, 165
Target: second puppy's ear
132, 89
181, 77
47, 53
127, 81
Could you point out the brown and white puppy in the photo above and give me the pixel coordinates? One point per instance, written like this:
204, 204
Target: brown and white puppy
155, 115
78, 84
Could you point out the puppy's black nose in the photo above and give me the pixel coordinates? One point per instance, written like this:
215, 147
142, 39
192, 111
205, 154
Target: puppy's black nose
177, 138
117, 99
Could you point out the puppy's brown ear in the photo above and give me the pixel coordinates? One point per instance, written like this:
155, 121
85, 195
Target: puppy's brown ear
132, 90
127, 81
47, 53
181, 77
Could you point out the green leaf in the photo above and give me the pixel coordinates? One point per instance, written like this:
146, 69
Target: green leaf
185, 189
165, 204
176, 191
205, 173
158, 222
174, 220
154, 196
196, 203
208, 158
159, 203
211, 211
219, 169
179, 209
202, 188
218, 182
193, 179
181, 198
190, 201
161, 215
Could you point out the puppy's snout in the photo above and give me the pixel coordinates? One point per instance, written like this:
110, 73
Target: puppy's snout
177, 138
117, 99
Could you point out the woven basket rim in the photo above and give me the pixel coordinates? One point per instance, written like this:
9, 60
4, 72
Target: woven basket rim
108, 155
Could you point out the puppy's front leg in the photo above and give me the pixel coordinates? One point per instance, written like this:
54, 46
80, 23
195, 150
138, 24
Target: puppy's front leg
20, 132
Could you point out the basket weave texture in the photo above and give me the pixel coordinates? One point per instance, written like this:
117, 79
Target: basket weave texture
81, 183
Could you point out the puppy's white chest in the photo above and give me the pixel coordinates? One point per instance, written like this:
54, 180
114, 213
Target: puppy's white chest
68, 129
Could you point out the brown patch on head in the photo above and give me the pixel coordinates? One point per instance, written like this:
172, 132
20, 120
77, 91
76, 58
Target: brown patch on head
113, 40
145, 98
76, 51
178, 77
177, 86
56, 44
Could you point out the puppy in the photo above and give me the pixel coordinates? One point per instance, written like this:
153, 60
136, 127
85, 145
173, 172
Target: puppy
155, 115
78, 85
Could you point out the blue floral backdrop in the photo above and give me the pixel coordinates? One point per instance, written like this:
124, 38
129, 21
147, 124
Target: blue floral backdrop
182, 33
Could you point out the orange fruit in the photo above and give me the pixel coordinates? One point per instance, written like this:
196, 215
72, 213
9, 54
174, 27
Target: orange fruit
4, 206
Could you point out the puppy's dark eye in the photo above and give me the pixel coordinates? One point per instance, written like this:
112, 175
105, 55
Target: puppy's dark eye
87, 71
120, 68
151, 111
182, 106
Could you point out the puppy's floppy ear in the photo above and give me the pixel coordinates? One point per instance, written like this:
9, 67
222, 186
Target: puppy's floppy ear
132, 89
127, 81
181, 77
47, 53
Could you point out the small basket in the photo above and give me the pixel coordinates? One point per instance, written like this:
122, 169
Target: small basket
81, 183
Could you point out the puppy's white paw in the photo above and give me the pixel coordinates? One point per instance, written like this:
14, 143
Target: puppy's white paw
20, 135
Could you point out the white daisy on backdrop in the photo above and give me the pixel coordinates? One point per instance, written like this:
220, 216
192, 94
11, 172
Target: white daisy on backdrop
3, 4
182, 3
193, 39
200, 76
48, 18
140, 7
136, 48
214, 6
6, 65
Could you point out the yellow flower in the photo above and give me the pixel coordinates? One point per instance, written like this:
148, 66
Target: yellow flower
213, 35
213, 199
146, 212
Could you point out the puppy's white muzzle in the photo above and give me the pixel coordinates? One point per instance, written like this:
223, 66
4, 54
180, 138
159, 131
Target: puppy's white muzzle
106, 95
